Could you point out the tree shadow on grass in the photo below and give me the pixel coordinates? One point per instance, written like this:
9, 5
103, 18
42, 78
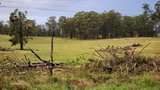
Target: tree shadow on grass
26, 49
6, 49
13, 49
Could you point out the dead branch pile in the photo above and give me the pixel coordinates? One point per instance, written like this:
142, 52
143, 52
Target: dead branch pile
123, 59
29, 64
16, 65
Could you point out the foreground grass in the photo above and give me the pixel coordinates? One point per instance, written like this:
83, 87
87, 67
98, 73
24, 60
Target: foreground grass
71, 49
68, 77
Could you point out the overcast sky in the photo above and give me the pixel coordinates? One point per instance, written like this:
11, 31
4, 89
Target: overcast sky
42, 9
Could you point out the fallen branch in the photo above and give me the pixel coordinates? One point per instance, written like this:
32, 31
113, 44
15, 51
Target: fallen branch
98, 53
44, 61
143, 48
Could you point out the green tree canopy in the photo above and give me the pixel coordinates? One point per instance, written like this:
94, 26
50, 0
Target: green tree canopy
51, 25
20, 28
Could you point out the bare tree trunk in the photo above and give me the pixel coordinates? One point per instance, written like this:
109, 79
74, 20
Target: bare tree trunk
21, 34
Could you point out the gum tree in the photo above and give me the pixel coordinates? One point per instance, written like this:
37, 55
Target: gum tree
20, 28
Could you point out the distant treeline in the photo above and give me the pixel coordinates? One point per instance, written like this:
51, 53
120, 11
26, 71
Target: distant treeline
111, 24
93, 25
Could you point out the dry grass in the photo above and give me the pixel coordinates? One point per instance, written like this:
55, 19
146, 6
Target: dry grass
67, 77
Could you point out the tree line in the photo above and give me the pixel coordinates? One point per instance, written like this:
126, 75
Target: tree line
110, 24
93, 25
84, 25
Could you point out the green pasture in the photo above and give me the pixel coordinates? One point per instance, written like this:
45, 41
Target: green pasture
73, 78
71, 49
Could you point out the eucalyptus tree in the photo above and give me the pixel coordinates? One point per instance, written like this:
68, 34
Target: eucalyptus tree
1, 27
152, 18
156, 13
111, 24
70, 27
20, 28
93, 24
80, 24
143, 26
40, 30
127, 26
51, 26
61, 27
87, 24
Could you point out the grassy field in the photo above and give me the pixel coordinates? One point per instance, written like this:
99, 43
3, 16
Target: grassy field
71, 49
73, 76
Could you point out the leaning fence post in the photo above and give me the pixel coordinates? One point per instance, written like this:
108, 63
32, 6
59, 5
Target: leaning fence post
52, 36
